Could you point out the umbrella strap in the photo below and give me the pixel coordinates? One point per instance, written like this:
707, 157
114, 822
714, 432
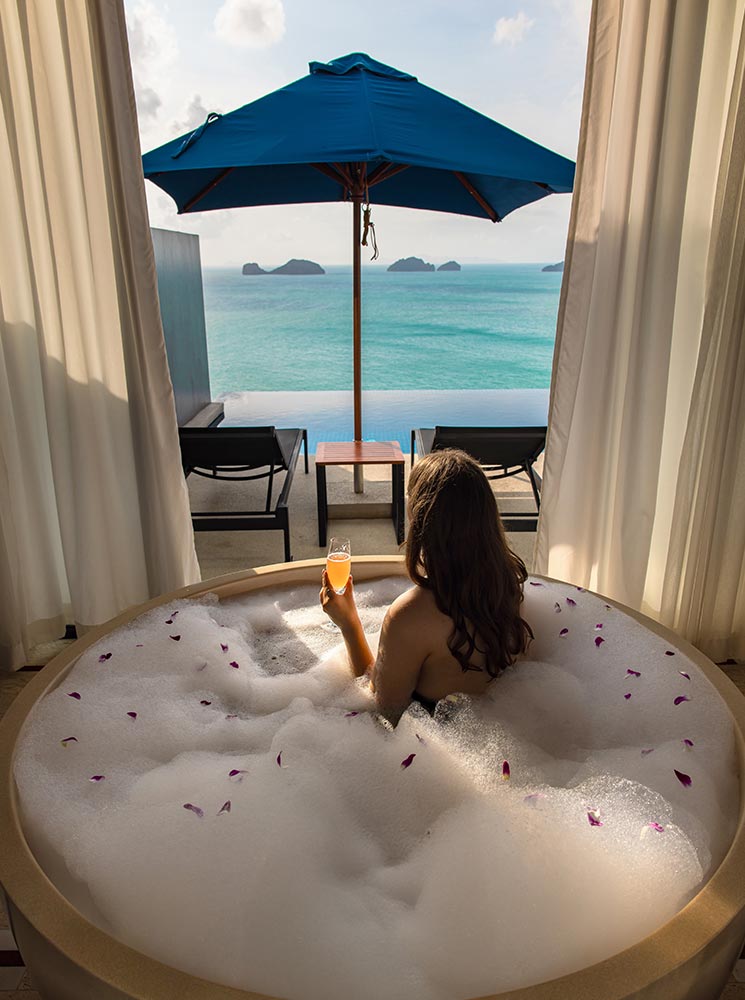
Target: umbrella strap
369, 228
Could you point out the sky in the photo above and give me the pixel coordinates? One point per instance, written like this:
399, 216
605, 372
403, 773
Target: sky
521, 63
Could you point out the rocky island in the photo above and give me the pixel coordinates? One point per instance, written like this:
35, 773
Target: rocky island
293, 266
411, 264
554, 267
451, 265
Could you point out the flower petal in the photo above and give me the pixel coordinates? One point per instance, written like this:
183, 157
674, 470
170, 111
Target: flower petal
599, 625
104, 657
669, 652
195, 809
557, 607
534, 583
571, 602
235, 772
657, 827
599, 640
421, 739
634, 673
406, 762
350, 715
176, 638
97, 777
684, 779
648, 750
234, 665
224, 808
139, 645
684, 674
231, 716
224, 647
205, 702
279, 759
73, 694
505, 771
68, 739
564, 631
169, 621
688, 743
680, 699
627, 696
593, 817
132, 715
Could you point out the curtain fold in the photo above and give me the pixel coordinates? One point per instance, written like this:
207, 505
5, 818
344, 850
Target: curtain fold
94, 513
626, 465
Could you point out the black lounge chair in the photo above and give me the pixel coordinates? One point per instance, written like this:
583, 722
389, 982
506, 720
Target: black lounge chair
239, 454
503, 451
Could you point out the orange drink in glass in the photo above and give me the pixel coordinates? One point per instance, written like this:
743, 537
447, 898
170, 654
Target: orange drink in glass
339, 563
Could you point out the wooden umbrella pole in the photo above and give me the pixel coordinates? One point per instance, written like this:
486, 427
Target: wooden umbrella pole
357, 334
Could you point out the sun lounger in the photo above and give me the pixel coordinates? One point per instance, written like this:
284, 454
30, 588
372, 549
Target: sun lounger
502, 451
237, 454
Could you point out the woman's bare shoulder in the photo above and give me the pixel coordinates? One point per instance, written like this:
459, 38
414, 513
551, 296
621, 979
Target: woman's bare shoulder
414, 605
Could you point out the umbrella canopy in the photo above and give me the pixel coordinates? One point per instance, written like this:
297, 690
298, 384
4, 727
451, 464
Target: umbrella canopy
357, 130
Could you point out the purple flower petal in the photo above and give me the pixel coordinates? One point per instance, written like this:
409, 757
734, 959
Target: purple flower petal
104, 657
205, 702
669, 652
648, 750
564, 631
279, 759
224, 647
599, 625
195, 809
684, 674
608, 607
627, 696
132, 715
684, 779
634, 673
176, 638
139, 645
421, 739
657, 827
169, 621
557, 608
68, 739
571, 602
234, 665
350, 715
533, 583
224, 808
173, 614
97, 777
680, 699
231, 716
236, 772
688, 743
406, 762
505, 771
73, 694
599, 640
594, 817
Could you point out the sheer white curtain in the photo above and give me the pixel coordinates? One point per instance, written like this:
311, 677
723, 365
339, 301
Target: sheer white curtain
94, 513
644, 485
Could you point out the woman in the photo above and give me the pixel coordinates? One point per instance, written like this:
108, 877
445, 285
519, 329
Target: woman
460, 626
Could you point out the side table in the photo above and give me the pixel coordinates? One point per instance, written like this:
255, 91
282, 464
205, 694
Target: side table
360, 453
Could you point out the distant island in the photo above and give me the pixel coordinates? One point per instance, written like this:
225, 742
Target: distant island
451, 265
411, 264
291, 267
554, 267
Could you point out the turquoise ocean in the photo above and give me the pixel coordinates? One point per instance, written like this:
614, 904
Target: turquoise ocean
468, 347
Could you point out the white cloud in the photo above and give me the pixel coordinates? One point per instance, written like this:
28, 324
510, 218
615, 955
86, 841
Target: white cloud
153, 52
512, 29
195, 114
251, 24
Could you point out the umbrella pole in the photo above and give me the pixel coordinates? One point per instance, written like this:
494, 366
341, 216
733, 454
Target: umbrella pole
359, 484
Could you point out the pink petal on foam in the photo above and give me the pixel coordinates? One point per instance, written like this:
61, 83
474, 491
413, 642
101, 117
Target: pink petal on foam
176, 638
104, 657
421, 739
205, 702
234, 665
68, 739
73, 694
557, 607
169, 621
564, 631
231, 716
688, 743
505, 771
680, 699
407, 761
648, 750
132, 715
224, 647
195, 809
533, 583
593, 817
279, 759
634, 673
571, 602
236, 771
97, 777
173, 614
224, 808
139, 645
350, 715
599, 625
657, 827
599, 640
669, 652
684, 674
684, 779
627, 696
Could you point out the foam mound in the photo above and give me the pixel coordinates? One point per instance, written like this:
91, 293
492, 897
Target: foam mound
211, 786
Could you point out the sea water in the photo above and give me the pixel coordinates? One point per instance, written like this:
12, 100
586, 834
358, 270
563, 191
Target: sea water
433, 344
212, 786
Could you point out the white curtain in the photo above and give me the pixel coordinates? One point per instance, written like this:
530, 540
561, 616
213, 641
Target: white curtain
644, 485
94, 512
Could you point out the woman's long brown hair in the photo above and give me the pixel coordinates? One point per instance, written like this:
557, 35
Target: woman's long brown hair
456, 548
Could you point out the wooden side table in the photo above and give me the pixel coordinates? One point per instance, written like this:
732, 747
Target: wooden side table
360, 453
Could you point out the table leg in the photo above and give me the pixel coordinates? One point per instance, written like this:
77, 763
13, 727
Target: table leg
398, 501
322, 502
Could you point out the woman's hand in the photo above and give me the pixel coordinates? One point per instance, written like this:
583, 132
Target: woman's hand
340, 608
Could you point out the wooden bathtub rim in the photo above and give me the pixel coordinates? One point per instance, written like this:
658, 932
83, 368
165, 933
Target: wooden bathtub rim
707, 916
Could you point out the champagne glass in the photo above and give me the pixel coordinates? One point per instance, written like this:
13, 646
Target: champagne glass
338, 567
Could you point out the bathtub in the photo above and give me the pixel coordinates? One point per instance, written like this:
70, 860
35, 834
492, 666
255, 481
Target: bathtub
688, 958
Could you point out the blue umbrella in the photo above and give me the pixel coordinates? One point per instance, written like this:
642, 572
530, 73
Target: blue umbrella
357, 130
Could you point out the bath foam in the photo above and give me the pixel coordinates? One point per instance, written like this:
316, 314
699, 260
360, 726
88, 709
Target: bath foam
249, 801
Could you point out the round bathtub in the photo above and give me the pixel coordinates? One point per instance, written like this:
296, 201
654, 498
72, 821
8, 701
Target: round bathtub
689, 958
